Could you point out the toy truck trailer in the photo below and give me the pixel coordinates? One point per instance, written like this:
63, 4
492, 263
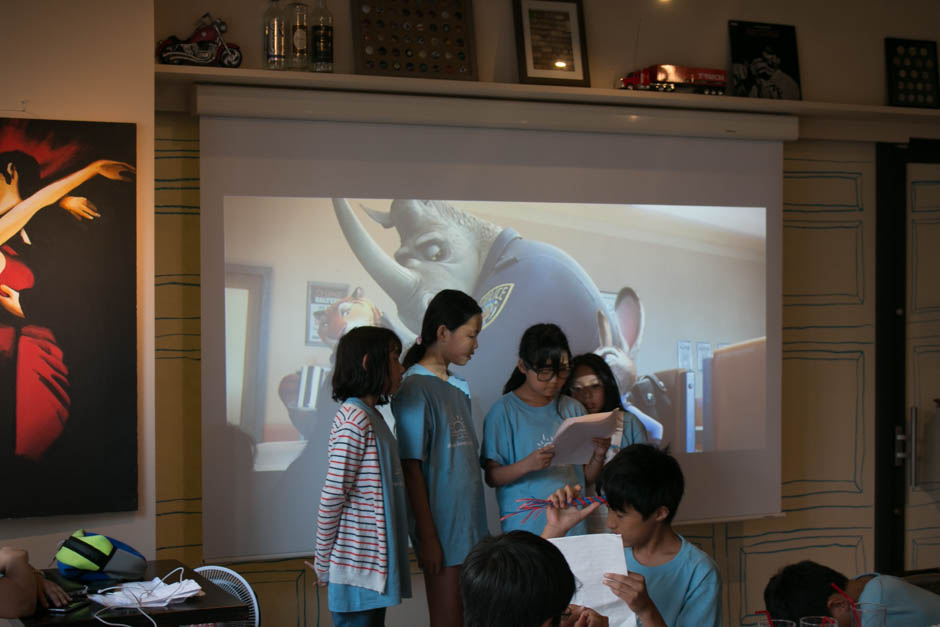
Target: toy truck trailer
676, 78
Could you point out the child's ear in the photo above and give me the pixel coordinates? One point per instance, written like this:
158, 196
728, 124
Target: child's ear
365, 360
521, 366
661, 513
442, 332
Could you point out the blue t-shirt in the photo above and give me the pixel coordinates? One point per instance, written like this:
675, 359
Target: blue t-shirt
686, 589
513, 429
345, 598
907, 605
435, 427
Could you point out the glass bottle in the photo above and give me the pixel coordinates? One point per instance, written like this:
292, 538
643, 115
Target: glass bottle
297, 57
321, 38
274, 44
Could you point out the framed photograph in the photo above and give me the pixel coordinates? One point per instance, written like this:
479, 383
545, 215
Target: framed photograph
764, 62
550, 44
429, 39
319, 298
911, 71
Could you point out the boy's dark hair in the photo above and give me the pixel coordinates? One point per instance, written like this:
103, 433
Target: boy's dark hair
643, 477
515, 580
453, 309
541, 346
27, 170
801, 589
349, 377
604, 374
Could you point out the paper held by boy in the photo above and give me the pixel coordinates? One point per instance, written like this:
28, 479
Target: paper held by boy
574, 440
589, 557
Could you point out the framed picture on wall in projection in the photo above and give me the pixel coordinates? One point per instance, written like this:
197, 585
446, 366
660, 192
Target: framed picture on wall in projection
68, 317
550, 45
320, 311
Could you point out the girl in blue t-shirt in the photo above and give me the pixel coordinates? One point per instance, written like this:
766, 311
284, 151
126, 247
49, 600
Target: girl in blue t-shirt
439, 450
519, 428
362, 523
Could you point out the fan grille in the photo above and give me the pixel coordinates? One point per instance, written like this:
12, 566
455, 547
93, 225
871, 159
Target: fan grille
234, 584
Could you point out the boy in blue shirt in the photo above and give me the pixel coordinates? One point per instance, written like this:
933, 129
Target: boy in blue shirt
671, 582
806, 589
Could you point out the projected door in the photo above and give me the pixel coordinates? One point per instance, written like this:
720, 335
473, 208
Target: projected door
922, 509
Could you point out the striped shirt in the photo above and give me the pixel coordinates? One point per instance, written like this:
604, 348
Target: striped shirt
351, 543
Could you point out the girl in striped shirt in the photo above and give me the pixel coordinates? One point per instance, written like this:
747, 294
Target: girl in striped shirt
362, 525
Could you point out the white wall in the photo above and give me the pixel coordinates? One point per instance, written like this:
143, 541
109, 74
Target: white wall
92, 60
841, 42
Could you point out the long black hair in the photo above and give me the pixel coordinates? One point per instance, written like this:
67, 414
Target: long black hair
350, 378
604, 374
517, 579
451, 308
542, 345
27, 170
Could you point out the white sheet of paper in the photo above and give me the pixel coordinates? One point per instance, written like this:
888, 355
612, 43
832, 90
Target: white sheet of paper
574, 439
589, 557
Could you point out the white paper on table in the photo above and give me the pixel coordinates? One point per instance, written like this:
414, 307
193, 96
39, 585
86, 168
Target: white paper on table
574, 439
589, 557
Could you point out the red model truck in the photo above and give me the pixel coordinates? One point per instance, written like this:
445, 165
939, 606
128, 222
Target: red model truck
676, 78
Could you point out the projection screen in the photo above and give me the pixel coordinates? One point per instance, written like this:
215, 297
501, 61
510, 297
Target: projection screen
539, 226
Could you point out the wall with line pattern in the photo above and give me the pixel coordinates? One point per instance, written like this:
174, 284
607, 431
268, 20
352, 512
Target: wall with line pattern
828, 394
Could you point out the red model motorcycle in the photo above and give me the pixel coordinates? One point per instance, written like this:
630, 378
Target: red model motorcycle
205, 46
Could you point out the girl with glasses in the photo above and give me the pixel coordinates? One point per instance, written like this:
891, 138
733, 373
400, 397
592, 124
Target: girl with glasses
518, 429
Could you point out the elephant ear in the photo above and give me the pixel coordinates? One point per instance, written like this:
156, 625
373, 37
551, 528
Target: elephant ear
631, 317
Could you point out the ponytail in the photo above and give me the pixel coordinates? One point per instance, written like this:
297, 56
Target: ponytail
415, 353
516, 379
541, 345
451, 308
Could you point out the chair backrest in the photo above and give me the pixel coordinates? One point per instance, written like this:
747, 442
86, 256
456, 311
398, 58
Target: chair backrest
234, 584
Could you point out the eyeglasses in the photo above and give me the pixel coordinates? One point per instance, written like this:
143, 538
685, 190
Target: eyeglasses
547, 374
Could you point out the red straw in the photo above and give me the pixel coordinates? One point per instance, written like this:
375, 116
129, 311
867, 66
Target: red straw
533, 506
851, 603
767, 615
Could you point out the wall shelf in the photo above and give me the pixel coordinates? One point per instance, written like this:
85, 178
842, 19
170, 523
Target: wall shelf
817, 120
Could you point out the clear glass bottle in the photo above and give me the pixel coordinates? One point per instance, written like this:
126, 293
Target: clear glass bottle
274, 44
297, 37
321, 38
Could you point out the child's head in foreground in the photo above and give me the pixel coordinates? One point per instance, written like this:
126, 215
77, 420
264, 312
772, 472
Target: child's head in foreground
643, 486
803, 589
515, 580
364, 365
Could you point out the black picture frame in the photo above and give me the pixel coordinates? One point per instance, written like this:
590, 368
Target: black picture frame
548, 33
764, 61
911, 73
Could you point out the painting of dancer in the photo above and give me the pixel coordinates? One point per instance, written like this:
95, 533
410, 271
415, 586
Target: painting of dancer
68, 317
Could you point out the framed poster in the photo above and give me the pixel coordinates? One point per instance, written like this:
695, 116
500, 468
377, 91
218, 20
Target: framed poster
764, 60
68, 317
319, 298
550, 45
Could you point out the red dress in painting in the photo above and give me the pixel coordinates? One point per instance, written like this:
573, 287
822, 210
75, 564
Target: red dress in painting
41, 404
